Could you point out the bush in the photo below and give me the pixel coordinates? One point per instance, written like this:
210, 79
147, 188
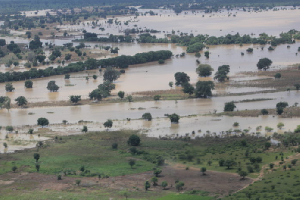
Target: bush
174, 118
264, 112
114, 146
229, 106
59, 177
134, 140
250, 169
156, 97
147, 116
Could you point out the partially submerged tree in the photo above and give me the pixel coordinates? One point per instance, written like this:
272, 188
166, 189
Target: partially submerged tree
147, 116
108, 123
174, 118
75, 98
28, 84
9, 87
42, 121
111, 74
204, 70
52, 86
229, 106
181, 78
264, 63
204, 89
21, 101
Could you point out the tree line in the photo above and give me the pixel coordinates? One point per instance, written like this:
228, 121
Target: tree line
118, 62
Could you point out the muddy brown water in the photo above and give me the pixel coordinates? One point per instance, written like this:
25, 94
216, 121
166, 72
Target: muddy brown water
152, 76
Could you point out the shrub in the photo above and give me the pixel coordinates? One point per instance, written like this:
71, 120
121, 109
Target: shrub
147, 116
114, 146
174, 118
264, 112
134, 140
229, 106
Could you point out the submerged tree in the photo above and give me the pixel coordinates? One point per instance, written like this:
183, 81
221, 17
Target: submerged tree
52, 86
21, 101
264, 63
204, 89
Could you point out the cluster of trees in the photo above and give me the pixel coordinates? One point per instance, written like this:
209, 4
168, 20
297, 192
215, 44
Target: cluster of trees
203, 88
112, 38
102, 91
148, 38
221, 74
119, 62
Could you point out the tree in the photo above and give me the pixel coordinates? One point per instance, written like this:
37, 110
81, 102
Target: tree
171, 84
111, 74
121, 94
267, 145
206, 54
297, 86
203, 170
78, 182
9, 128
277, 76
129, 98
179, 185
52, 86
264, 63
221, 74
157, 171
37, 167
280, 125
30, 131
204, 89
229, 106
14, 168
229, 163
21, 101
42, 121
95, 77
243, 174
294, 161
154, 181
174, 118
67, 76
181, 78
84, 129
108, 123
131, 162
164, 184
147, 185
36, 156
147, 116
5, 102
28, 84
9, 87
188, 88
279, 110
134, 140
156, 97
264, 112
204, 70
68, 57
161, 61
36, 43
75, 98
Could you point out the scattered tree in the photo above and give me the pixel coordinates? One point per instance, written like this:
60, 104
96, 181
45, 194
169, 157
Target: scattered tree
264, 63
108, 123
134, 140
111, 74
84, 129
121, 94
204, 70
52, 86
181, 78
203, 170
21, 101
147, 116
204, 89
75, 98
147, 185
9, 87
229, 106
131, 162
28, 84
174, 118
36, 156
42, 121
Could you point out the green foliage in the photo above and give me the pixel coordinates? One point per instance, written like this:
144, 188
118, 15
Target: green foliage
108, 123
84, 129
203, 170
264, 112
147, 116
75, 98
229, 106
9, 87
204, 89
21, 101
131, 162
204, 70
188, 88
111, 74
9, 128
181, 78
121, 94
264, 63
179, 185
147, 185
36, 156
134, 140
161, 61
174, 118
42, 121
114, 146
164, 184
243, 174
156, 97
52, 86
196, 47
28, 84
277, 76
221, 74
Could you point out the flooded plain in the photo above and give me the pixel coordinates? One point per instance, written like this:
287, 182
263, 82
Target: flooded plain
141, 77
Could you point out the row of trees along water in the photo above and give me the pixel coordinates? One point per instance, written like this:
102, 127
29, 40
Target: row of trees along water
118, 62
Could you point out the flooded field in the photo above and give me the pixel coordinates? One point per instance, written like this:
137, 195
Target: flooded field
135, 110
140, 77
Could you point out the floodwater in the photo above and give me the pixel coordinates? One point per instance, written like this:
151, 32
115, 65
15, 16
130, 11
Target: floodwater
18, 141
141, 77
134, 110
